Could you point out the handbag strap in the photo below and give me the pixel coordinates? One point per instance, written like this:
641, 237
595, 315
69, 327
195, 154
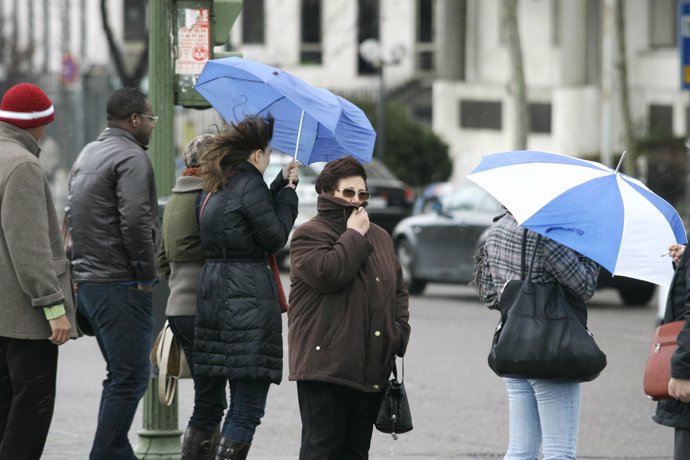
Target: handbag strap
203, 205
522, 256
166, 383
395, 371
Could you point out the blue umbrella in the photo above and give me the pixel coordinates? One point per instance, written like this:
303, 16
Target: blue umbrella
311, 123
607, 216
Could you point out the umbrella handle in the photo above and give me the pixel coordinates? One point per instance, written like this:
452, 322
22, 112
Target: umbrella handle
299, 135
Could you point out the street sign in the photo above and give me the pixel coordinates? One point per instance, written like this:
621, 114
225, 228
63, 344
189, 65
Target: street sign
684, 42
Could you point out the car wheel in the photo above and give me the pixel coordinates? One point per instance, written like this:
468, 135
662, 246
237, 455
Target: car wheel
406, 258
637, 295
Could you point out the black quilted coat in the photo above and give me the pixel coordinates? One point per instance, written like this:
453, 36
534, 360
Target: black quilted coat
238, 324
672, 412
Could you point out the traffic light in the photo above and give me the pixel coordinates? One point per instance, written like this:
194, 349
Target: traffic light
199, 26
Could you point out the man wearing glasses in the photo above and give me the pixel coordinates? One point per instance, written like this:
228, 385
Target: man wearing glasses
112, 216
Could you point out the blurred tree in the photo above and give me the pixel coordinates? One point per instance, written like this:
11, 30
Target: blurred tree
516, 85
16, 59
629, 142
127, 79
414, 153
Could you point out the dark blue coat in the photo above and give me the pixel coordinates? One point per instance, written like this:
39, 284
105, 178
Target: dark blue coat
238, 324
672, 412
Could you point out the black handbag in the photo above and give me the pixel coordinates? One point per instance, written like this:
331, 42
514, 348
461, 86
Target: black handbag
539, 335
394, 415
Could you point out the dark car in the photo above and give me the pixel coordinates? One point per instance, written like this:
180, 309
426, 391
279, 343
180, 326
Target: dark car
391, 199
438, 246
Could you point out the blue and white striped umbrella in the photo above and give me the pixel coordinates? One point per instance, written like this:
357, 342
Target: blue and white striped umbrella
607, 216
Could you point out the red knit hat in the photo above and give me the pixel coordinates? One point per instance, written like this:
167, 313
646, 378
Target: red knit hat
26, 106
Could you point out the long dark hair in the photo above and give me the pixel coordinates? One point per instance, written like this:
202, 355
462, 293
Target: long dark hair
233, 145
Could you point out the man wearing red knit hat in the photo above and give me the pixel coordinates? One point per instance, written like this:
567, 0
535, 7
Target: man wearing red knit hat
36, 304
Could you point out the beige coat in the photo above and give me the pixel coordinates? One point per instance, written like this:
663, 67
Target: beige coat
34, 271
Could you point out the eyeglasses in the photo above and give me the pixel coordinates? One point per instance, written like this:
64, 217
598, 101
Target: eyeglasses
363, 195
153, 118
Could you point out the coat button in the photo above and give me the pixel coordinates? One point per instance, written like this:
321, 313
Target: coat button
318, 348
377, 279
377, 333
376, 387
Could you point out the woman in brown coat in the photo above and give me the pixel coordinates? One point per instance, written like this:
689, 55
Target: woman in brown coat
348, 316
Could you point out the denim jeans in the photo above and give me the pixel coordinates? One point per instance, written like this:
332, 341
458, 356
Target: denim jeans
210, 400
542, 411
247, 406
122, 320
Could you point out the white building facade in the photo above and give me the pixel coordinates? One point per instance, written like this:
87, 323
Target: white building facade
568, 49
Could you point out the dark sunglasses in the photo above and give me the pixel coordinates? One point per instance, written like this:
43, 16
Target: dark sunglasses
363, 195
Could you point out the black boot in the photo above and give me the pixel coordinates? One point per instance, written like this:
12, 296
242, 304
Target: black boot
231, 450
197, 444
214, 444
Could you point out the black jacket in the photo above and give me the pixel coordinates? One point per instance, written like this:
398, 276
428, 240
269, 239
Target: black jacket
112, 211
238, 325
672, 412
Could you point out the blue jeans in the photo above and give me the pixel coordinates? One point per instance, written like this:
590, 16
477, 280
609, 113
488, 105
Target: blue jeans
247, 407
542, 411
210, 400
121, 317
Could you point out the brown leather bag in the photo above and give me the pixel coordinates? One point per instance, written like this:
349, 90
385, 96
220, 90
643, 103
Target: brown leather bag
657, 373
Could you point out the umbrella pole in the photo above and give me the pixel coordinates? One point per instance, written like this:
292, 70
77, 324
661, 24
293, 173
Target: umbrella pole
620, 162
299, 134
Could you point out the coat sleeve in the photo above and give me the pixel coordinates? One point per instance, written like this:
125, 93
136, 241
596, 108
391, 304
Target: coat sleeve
163, 263
680, 362
271, 220
327, 266
137, 218
25, 225
402, 310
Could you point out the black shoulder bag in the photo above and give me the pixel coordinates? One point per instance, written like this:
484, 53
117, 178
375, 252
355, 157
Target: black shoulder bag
539, 336
394, 415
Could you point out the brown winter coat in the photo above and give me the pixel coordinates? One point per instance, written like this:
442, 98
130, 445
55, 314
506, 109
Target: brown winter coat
348, 314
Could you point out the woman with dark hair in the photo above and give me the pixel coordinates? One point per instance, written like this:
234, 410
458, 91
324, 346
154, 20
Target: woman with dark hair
238, 334
180, 260
348, 316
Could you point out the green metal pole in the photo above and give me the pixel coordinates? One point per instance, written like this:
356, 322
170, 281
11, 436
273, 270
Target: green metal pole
160, 436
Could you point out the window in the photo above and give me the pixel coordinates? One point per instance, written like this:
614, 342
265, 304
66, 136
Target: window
425, 35
660, 119
540, 118
135, 20
253, 22
481, 114
662, 27
310, 49
368, 21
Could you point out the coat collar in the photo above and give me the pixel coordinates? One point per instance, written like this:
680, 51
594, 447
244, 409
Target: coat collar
111, 131
334, 209
187, 184
9, 131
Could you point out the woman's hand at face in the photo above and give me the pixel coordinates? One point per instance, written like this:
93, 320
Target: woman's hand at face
359, 220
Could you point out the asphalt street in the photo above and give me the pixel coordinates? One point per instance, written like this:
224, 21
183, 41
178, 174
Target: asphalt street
458, 405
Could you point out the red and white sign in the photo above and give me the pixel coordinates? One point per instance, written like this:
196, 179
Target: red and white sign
193, 42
